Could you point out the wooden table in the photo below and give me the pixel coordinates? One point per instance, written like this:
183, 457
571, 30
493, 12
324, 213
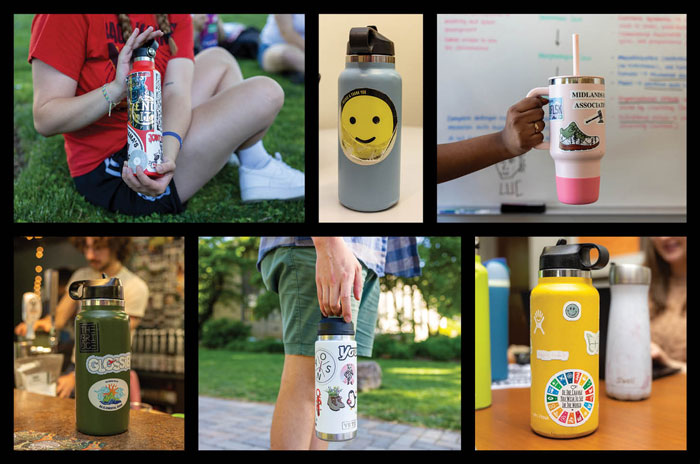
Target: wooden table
658, 422
147, 430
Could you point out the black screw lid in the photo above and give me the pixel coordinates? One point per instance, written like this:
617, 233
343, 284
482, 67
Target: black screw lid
147, 49
367, 41
335, 326
575, 256
99, 288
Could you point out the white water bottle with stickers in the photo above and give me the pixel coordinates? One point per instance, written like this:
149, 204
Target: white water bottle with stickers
335, 406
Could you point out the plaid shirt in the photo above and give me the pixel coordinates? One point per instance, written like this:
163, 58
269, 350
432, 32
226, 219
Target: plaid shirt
384, 255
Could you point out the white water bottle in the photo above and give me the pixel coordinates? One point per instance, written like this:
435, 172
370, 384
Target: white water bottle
628, 353
335, 407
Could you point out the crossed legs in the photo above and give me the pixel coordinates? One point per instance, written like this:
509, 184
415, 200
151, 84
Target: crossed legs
228, 113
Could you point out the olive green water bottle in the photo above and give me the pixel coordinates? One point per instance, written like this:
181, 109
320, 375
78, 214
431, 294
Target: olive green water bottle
102, 357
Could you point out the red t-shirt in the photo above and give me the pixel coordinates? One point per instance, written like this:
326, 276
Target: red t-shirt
85, 48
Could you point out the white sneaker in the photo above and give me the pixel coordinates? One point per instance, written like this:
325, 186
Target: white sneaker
275, 181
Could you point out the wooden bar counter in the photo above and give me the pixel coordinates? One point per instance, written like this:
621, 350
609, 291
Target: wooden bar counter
658, 422
147, 430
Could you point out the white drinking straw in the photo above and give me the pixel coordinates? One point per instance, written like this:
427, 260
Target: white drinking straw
575, 42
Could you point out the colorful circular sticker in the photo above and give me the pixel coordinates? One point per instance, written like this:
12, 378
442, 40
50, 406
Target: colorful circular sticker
109, 394
569, 397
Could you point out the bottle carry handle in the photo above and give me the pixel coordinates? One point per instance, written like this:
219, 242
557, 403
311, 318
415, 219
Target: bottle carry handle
585, 256
540, 92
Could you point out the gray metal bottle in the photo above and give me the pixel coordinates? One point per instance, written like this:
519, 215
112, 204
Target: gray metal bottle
369, 123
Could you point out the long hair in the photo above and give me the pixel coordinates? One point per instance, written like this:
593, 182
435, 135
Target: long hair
660, 276
163, 25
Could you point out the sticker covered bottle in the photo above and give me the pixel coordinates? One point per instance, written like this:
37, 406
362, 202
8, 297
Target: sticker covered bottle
564, 341
335, 371
102, 357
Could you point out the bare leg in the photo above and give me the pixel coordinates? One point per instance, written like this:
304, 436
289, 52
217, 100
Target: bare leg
283, 57
228, 113
293, 419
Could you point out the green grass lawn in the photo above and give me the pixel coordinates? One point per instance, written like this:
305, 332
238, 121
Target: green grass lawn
426, 393
44, 190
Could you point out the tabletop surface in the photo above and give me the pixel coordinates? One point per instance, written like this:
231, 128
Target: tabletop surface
659, 422
147, 430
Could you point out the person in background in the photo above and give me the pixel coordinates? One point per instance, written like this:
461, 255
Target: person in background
667, 258
104, 255
282, 45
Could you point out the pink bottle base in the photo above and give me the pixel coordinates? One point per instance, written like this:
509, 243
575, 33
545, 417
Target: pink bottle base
578, 191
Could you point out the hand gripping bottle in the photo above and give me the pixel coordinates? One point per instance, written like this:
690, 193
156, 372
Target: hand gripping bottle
482, 349
144, 126
628, 356
564, 340
499, 290
369, 123
102, 357
335, 407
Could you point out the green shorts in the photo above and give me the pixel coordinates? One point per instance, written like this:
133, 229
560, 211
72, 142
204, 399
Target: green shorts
291, 273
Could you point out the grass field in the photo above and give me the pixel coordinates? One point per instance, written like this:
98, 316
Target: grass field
44, 190
427, 393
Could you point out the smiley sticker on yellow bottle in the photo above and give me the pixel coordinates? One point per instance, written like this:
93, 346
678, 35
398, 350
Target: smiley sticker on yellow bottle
368, 125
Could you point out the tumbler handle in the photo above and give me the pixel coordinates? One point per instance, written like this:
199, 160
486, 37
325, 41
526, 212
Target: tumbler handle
540, 91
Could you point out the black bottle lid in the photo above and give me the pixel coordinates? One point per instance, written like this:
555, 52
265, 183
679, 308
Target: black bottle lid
575, 256
335, 326
98, 288
147, 50
368, 41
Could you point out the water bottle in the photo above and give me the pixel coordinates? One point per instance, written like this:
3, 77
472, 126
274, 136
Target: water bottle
369, 123
144, 125
482, 350
564, 342
499, 289
335, 408
102, 357
628, 351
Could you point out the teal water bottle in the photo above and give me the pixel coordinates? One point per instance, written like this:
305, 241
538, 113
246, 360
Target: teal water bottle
369, 123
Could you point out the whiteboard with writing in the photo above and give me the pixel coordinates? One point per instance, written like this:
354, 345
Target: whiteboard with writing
486, 63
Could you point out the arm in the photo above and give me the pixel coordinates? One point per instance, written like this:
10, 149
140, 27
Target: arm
56, 108
286, 27
517, 137
338, 274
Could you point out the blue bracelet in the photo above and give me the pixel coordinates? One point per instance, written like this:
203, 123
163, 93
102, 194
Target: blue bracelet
174, 134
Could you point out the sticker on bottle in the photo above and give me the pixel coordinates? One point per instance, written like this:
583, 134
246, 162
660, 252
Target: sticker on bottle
569, 397
109, 394
572, 310
368, 125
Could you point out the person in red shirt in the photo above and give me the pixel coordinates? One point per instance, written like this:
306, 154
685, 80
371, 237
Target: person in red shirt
79, 69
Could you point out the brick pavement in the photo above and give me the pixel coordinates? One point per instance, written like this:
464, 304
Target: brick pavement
231, 424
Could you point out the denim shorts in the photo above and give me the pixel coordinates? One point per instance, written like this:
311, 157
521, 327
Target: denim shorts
291, 273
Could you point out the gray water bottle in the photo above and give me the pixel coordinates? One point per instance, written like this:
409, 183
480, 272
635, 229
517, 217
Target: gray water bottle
369, 123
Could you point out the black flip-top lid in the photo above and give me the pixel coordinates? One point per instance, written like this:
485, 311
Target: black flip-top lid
335, 326
575, 256
98, 288
147, 49
368, 41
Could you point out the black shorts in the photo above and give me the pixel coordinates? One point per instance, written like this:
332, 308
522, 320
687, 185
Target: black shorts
103, 186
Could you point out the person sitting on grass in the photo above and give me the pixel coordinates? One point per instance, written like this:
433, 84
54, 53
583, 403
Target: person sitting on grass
79, 68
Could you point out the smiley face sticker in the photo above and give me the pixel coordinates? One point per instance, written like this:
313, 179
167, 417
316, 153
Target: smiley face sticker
368, 125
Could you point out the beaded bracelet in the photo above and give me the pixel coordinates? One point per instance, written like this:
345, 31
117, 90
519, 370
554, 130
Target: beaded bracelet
110, 102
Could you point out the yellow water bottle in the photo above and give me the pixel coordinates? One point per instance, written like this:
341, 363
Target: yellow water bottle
482, 347
564, 341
